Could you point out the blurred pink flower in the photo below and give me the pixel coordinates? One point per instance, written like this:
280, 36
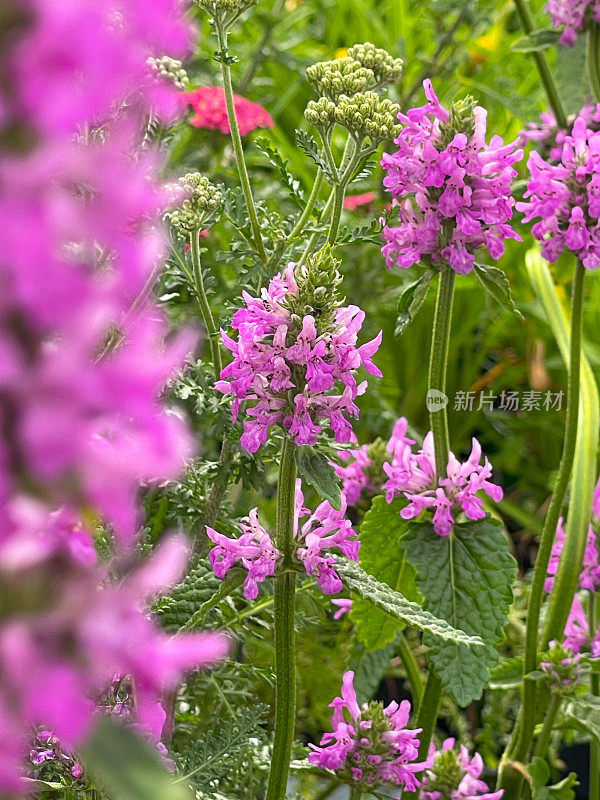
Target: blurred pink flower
210, 111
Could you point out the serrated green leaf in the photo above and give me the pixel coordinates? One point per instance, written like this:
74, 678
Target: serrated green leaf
411, 300
382, 556
508, 674
465, 578
316, 469
536, 41
496, 284
126, 766
583, 714
276, 161
539, 772
398, 606
311, 148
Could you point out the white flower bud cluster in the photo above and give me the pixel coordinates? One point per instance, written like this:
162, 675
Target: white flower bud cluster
171, 69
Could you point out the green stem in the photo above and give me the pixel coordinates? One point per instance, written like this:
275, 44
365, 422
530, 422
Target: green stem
355, 793
284, 596
438, 362
237, 144
511, 779
340, 193
310, 204
546, 733
205, 310
411, 667
593, 58
542, 65
594, 780
261, 48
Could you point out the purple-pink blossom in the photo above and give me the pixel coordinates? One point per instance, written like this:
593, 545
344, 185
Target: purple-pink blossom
354, 473
343, 605
456, 774
253, 549
369, 746
549, 139
589, 577
72, 627
451, 189
414, 476
295, 371
571, 16
566, 198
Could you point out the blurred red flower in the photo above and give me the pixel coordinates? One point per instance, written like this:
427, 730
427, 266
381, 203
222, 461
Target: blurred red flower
208, 103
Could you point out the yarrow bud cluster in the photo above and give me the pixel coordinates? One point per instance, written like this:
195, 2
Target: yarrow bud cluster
369, 746
566, 197
225, 10
321, 114
574, 15
324, 530
343, 76
200, 207
455, 776
562, 669
366, 115
414, 476
385, 68
171, 69
296, 357
451, 188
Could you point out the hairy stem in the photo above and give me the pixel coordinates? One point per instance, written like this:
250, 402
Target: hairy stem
205, 310
545, 736
542, 65
511, 779
355, 793
284, 596
237, 144
339, 193
310, 204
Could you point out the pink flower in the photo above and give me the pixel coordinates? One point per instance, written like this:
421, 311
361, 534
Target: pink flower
354, 201
571, 14
456, 774
369, 746
253, 548
354, 473
292, 366
459, 189
343, 606
210, 111
414, 476
590, 573
549, 138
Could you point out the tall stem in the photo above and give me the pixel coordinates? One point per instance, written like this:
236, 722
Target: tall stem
284, 596
340, 192
438, 361
593, 58
594, 781
355, 793
511, 779
541, 62
236, 140
205, 310
310, 204
412, 670
546, 733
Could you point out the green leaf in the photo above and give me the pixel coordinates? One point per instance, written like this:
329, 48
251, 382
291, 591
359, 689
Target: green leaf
583, 714
465, 578
496, 284
276, 161
411, 300
369, 667
126, 766
397, 605
539, 773
508, 674
316, 469
536, 41
311, 148
382, 556
571, 76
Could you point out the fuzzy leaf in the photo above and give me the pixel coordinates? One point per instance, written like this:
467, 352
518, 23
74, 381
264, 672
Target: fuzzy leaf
126, 766
508, 674
539, 773
382, 556
536, 41
316, 469
411, 300
398, 606
465, 578
496, 284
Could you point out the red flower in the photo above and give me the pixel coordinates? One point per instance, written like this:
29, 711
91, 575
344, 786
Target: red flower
355, 200
208, 103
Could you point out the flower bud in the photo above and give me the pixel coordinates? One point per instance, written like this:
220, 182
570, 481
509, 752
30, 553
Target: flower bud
366, 115
343, 76
562, 669
171, 69
385, 68
321, 114
202, 202
221, 8
318, 288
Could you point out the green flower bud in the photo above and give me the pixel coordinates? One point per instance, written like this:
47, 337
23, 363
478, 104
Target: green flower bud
461, 120
319, 285
171, 69
219, 9
202, 202
445, 775
342, 76
320, 113
562, 669
386, 69
366, 115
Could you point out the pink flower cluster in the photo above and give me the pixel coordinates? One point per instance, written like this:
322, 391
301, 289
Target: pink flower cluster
353, 473
414, 476
571, 14
566, 197
448, 763
369, 746
324, 530
279, 356
549, 138
210, 111
70, 630
452, 190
